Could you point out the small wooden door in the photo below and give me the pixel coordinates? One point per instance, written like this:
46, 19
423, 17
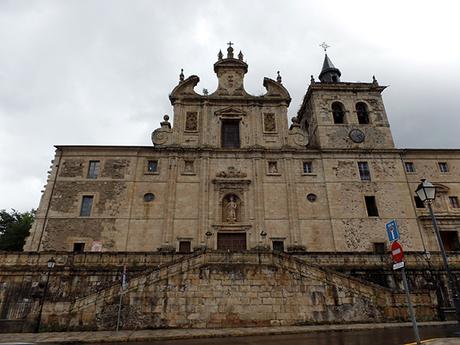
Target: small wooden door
185, 247
233, 242
450, 240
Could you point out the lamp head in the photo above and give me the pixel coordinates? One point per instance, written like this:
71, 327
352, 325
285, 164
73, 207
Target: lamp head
426, 191
51, 263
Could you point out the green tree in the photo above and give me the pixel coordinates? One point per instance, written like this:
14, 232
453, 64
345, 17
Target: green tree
14, 228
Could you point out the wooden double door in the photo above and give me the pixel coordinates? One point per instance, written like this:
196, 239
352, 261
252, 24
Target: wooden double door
231, 241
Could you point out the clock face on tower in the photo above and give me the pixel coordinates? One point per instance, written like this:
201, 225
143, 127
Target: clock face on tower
357, 135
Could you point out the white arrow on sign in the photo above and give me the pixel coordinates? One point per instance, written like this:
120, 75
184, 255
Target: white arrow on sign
398, 265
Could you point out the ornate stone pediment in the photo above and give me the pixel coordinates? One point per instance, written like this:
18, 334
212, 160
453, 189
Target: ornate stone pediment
231, 172
440, 188
230, 112
276, 89
185, 88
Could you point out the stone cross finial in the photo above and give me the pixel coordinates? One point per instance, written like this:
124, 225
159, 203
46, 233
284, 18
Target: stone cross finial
374, 81
181, 75
230, 50
278, 78
324, 46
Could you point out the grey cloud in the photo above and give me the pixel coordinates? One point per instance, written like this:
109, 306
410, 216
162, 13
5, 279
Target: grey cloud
99, 72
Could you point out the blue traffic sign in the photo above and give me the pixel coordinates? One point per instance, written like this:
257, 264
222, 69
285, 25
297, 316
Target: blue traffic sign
392, 230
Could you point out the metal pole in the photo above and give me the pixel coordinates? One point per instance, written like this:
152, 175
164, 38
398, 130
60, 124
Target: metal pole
411, 309
451, 280
42, 301
119, 309
122, 290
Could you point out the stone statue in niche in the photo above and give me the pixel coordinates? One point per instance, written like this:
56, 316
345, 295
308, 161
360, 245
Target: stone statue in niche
272, 168
188, 168
191, 122
231, 209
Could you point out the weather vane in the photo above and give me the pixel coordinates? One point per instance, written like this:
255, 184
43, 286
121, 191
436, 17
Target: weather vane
324, 46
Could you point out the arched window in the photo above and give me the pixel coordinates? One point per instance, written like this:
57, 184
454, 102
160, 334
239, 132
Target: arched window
362, 112
338, 112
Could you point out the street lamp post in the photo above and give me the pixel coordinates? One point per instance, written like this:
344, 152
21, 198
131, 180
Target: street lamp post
263, 235
208, 237
51, 262
426, 191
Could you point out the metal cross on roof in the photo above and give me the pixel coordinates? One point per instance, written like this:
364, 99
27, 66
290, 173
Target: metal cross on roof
230, 44
324, 46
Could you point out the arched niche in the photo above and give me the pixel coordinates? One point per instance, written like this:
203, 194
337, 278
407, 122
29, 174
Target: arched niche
231, 208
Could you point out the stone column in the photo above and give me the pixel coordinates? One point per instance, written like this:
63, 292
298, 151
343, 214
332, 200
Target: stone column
168, 229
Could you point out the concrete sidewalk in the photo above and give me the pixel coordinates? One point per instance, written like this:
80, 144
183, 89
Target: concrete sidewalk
170, 334
440, 341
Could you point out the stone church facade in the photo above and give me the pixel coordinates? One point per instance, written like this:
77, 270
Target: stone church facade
233, 174
236, 217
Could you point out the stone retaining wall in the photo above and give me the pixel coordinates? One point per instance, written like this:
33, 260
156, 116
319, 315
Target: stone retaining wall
211, 289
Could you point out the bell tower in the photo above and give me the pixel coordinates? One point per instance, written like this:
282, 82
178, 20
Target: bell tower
344, 115
230, 73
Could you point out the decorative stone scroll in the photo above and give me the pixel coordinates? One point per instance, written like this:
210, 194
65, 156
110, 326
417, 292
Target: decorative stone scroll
297, 136
231, 172
162, 135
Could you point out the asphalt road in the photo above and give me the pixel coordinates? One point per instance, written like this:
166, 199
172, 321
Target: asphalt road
394, 336
390, 336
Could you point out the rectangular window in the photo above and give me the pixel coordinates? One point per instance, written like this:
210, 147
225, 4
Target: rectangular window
93, 169
379, 248
86, 205
418, 202
364, 172
278, 246
443, 167
371, 206
453, 201
409, 167
230, 135
78, 247
307, 167
185, 247
152, 166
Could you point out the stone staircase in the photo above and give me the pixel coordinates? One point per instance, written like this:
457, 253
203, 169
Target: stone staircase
221, 289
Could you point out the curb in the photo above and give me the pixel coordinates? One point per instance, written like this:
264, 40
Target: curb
179, 334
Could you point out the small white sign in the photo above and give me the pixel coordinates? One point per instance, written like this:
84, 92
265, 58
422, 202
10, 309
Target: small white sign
96, 246
398, 265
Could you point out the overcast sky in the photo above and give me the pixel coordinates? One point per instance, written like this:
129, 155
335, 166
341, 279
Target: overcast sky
99, 72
